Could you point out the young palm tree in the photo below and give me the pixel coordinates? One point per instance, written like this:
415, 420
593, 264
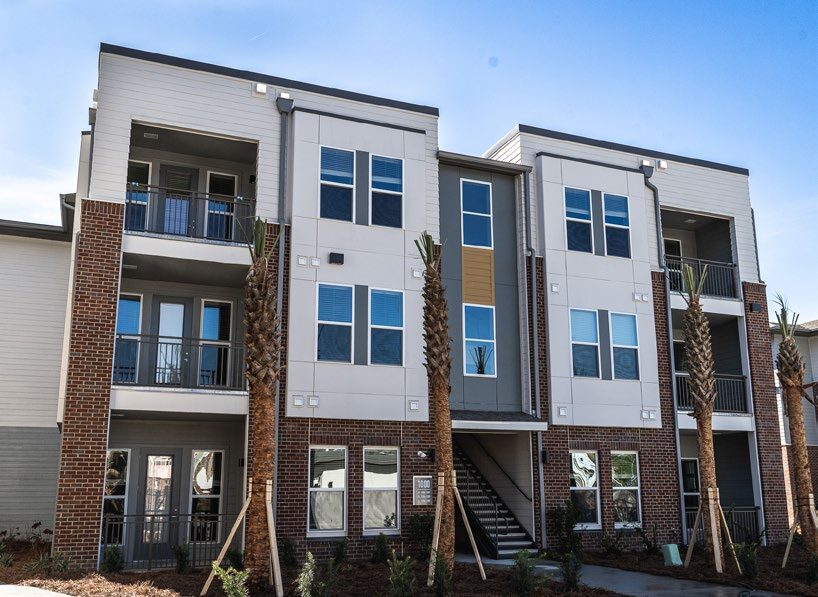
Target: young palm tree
262, 338
437, 350
790, 367
702, 386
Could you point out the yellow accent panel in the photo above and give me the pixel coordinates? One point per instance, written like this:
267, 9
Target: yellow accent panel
478, 276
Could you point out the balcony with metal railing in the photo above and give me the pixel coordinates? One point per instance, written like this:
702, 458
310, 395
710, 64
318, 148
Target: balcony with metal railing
721, 279
743, 522
731, 393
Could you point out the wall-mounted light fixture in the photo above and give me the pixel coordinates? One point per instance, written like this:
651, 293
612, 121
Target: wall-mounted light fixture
430, 454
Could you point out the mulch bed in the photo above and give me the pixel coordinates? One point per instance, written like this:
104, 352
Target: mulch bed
791, 580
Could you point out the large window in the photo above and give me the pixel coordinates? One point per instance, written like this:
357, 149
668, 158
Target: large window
381, 489
478, 340
585, 488
625, 479
334, 323
115, 496
584, 343
690, 483
206, 494
475, 200
337, 183
327, 490
126, 354
221, 198
625, 346
617, 226
385, 327
578, 220
215, 347
387, 192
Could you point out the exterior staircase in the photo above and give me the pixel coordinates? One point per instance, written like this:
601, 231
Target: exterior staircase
498, 533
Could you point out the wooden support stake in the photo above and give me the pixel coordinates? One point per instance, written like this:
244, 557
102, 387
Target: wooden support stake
712, 504
436, 536
693, 535
271, 532
468, 526
789, 540
229, 539
729, 539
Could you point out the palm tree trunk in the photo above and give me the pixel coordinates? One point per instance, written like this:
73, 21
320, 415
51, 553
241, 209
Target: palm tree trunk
707, 475
800, 457
444, 458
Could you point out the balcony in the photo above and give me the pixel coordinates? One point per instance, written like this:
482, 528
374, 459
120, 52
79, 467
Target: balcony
171, 212
731, 393
176, 362
741, 520
721, 280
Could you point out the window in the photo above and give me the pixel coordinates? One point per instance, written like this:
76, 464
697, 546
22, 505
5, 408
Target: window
679, 356
381, 502
578, 220
215, 346
385, 327
136, 196
625, 346
585, 488
478, 340
617, 226
206, 494
584, 343
337, 183
126, 353
387, 192
327, 503
690, 483
221, 190
334, 323
475, 202
116, 496
625, 479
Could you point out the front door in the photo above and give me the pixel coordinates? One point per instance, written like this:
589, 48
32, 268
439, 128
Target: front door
170, 326
158, 505
176, 210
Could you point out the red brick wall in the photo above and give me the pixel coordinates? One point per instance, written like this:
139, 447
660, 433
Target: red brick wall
768, 431
88, 388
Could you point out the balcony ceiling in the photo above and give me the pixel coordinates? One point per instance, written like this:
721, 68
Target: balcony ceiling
186, 271
714, 319
204, 146
680, 220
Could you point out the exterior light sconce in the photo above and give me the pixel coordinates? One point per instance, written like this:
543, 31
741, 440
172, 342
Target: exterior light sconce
755, 308
430, 454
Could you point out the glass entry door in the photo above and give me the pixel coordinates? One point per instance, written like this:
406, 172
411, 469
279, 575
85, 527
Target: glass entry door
158, 503
178, 185
170, 326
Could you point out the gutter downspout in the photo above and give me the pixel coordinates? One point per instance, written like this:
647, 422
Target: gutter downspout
532, 257
285, 107
647, 172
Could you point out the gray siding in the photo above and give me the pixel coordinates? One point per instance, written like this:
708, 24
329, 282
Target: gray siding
733, 471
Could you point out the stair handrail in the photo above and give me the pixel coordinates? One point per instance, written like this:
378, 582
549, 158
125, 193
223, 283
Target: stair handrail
502, 470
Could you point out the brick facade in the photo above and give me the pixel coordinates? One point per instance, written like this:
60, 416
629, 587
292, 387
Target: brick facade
88, 386
768, 431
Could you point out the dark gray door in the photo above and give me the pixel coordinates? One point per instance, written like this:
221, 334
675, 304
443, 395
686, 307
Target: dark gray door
171, 327
158, 498
175, 207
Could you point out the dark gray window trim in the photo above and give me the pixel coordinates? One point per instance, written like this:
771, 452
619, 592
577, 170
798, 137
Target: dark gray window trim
533, 130
360, 352
388, 125
362, 181
262, 78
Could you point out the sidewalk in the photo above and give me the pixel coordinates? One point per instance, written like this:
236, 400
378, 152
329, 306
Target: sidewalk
638, 584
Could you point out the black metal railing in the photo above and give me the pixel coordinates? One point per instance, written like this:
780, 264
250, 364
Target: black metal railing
147, 360
147, 542
187, 213
731, 393
741, 520
720, 280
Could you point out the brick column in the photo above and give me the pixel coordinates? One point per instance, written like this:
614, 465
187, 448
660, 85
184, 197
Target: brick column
88, 386
768, 431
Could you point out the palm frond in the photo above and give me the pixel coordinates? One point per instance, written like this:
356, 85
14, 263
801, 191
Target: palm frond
426, 247
693, 283
786, 318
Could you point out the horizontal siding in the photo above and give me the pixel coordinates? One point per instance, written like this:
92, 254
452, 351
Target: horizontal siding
29, 459
33, 292
478, 276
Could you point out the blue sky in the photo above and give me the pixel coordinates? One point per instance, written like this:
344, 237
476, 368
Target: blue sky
735, 82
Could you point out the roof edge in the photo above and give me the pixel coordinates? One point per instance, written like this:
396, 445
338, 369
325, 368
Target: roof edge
105, 48
44, 231
469, 161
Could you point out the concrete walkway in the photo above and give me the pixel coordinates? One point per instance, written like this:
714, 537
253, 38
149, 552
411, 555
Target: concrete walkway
18, 591
638, 584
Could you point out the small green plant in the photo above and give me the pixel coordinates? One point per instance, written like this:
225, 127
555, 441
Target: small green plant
812, 570
112, 559
571, 569
523, 580
59, 562
442, 582
565, 519
182, 555
339, 554
421, 528
612, 544
6, 560
401, 576
306, 577
234, 582
286, 552
649, 542
235, 559
747, 555
326, 582
48, 564
380, 555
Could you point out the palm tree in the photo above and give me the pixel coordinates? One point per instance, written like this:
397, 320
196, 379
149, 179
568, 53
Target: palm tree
702, 386
790, 367
437, 351
262, 338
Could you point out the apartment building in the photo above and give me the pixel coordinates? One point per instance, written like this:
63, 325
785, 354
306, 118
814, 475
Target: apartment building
561, 265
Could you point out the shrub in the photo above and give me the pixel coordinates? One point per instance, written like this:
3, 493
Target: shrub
339, 554
112, 559
401, 576
612, 544
6, 560
571, 569
421, 529
286, 552
182, 555
812, 570
48, 564
565, 519
747, 555
235, 559
649, 542
59, 562
234, 582
380, 555
523, 580
312, 582
442, 582
306, 577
